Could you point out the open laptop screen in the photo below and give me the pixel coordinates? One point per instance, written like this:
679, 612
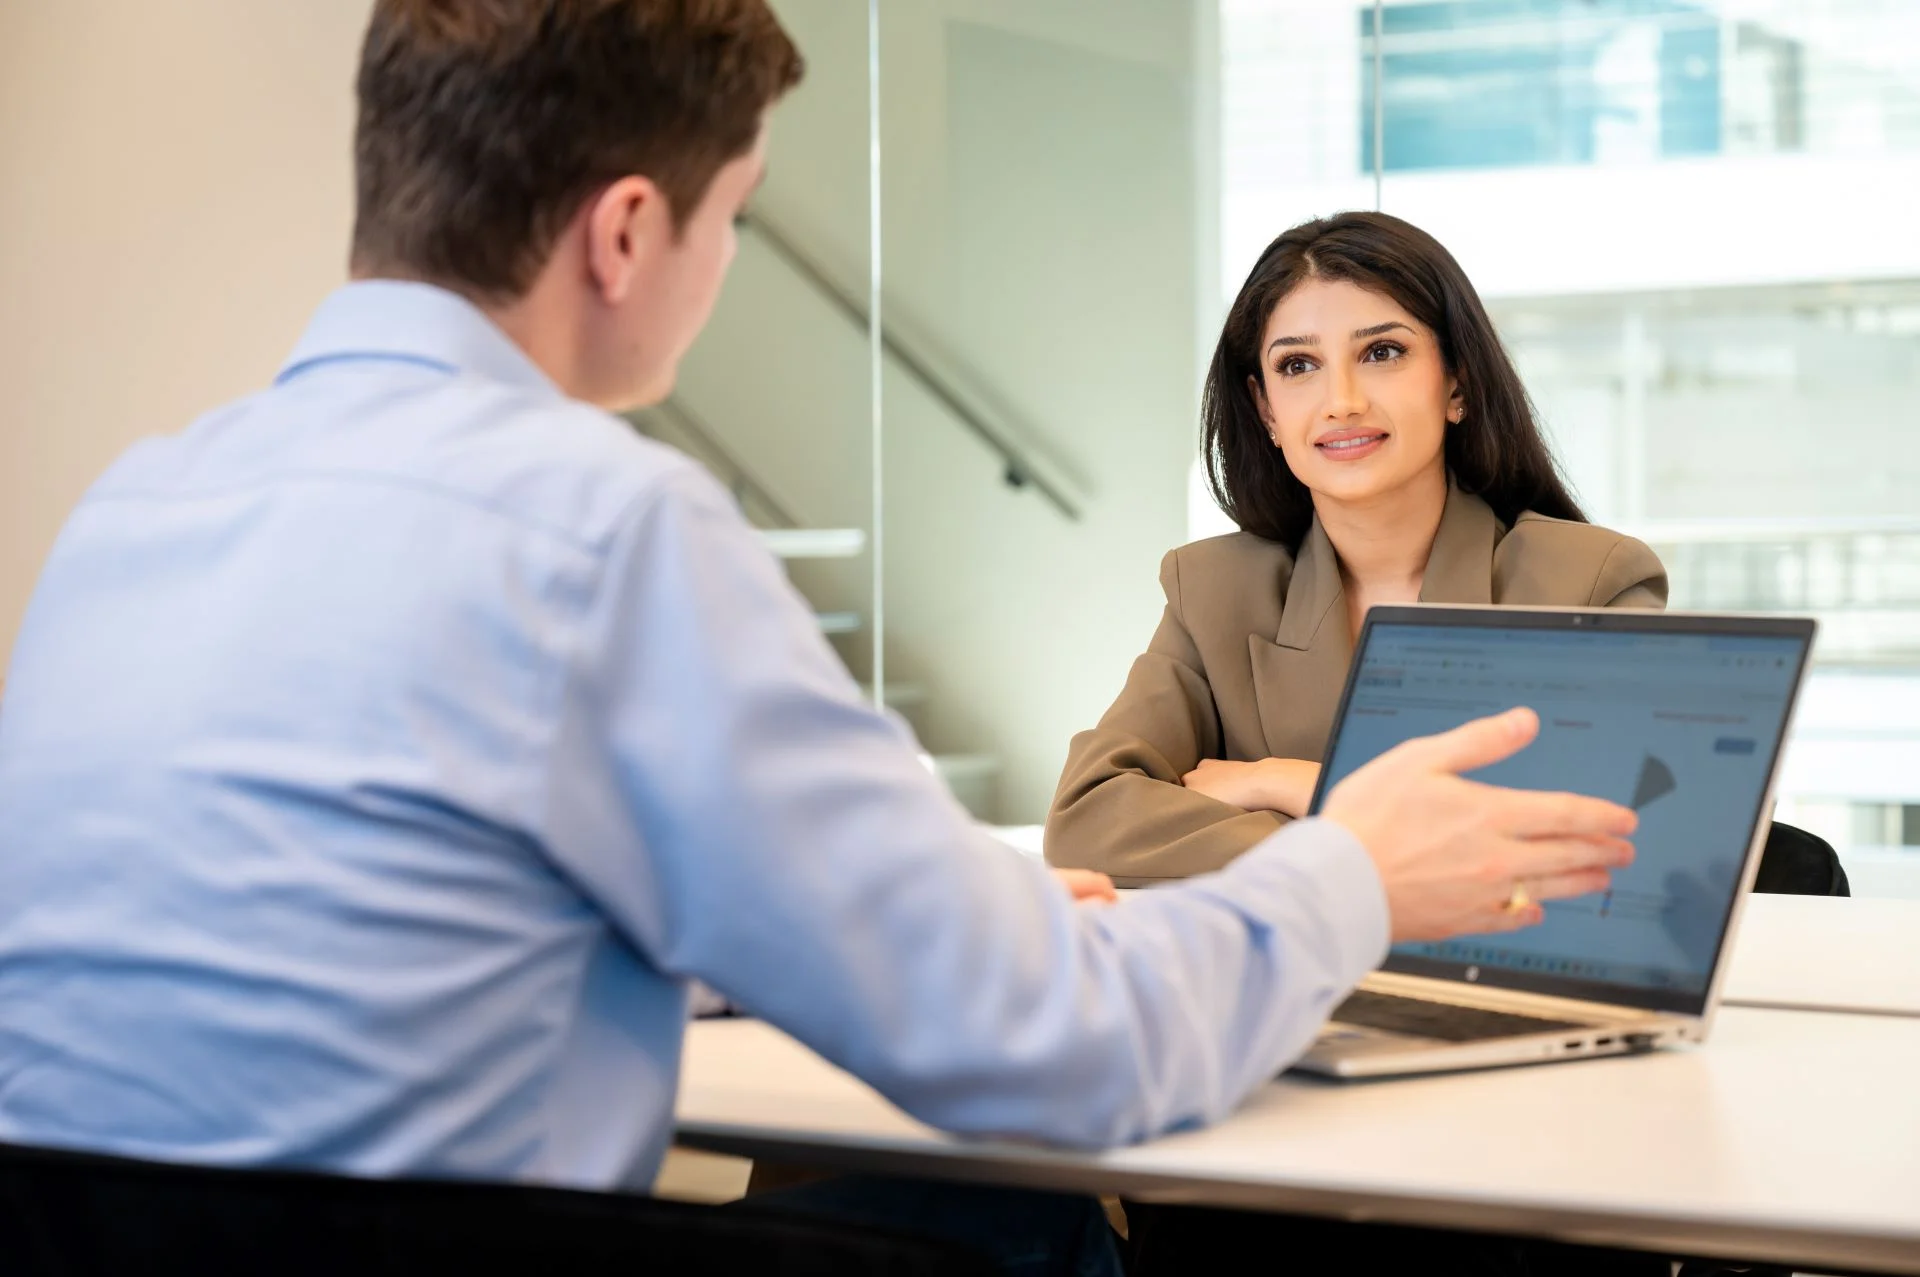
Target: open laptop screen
1680, 718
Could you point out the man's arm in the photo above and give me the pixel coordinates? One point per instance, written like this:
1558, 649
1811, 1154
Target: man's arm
726, 796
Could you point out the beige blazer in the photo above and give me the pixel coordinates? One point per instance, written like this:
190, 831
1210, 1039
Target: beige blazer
1249, 662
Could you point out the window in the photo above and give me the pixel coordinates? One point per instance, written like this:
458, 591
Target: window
1692, 223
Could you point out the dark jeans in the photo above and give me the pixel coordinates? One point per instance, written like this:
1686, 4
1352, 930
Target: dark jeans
1163, 1240
1034, 1234
1024, 1233
66, 1214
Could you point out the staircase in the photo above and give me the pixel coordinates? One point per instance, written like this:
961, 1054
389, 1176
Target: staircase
818, 555
970, 777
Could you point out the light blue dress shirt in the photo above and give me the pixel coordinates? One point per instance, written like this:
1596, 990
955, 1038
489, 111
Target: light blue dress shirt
383, 756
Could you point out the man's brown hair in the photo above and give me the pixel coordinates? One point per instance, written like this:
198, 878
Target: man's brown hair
485, 124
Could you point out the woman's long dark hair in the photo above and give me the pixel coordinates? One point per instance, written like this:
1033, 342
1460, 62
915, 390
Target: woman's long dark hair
1495, 451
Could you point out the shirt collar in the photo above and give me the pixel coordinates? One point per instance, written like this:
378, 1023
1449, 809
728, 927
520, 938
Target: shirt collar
402, 321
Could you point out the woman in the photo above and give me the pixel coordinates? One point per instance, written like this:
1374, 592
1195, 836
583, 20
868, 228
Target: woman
1365, 429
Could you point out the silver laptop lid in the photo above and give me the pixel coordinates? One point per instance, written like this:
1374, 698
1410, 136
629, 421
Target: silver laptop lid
1681, 716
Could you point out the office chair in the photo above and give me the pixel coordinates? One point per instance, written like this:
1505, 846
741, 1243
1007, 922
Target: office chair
1796, 863
68, 1214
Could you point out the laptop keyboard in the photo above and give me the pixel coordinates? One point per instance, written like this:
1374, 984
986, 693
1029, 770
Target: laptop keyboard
1439, 1020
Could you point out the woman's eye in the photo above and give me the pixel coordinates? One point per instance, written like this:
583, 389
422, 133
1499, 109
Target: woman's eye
1380, 352
1294, 365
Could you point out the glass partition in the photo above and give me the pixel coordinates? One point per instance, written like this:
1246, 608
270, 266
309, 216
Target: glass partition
1049, 205
776, 396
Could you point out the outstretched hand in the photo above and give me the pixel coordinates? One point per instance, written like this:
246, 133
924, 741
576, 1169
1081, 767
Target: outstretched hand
1459, 857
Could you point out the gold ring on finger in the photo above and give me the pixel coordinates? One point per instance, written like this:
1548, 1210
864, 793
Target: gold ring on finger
1518, 899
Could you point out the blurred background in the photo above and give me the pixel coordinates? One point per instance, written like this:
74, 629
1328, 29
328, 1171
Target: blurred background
1694, 223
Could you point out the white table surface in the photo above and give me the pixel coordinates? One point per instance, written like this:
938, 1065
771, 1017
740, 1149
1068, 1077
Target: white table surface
1828, 953
1792, 1136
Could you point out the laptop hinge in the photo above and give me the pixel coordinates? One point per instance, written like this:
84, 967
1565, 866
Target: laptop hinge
1494, 999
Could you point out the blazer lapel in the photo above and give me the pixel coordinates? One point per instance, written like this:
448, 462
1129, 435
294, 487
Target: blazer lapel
1460, 565
1298, 674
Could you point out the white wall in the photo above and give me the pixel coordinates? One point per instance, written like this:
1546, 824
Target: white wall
174, 198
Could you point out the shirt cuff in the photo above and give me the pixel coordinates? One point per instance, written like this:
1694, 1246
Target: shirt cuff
1326, 863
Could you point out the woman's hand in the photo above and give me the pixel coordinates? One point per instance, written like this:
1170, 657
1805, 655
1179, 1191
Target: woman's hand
1284, 785
1087, 886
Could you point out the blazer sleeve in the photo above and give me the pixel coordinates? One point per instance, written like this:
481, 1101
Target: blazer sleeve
1120, 807
1630, 576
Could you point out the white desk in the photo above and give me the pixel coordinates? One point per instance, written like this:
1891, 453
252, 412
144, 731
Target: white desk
1828, 953
1792, 1137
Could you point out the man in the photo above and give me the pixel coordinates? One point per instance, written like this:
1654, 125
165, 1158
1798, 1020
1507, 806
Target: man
385, 755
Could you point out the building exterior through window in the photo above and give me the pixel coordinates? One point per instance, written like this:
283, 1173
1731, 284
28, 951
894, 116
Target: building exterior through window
1694, 225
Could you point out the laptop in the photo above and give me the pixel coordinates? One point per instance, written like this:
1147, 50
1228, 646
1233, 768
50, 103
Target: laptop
1680, 716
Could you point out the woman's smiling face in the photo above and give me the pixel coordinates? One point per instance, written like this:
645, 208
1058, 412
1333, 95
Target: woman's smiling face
1354, 391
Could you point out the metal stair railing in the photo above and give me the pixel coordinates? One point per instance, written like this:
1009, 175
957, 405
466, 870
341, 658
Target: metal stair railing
739, 480
1019, 469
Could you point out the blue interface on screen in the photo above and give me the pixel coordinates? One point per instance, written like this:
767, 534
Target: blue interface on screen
1681, 727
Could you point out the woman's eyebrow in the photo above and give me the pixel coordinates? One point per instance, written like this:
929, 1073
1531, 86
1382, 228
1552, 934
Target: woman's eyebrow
1359, 334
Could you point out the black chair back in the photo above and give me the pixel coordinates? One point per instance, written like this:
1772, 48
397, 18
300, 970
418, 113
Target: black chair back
1796, 863
80, 1215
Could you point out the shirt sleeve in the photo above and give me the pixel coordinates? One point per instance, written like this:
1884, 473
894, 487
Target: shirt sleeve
725, 796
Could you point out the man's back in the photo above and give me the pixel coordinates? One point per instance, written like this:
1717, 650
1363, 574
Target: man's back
383, 756
309, 657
